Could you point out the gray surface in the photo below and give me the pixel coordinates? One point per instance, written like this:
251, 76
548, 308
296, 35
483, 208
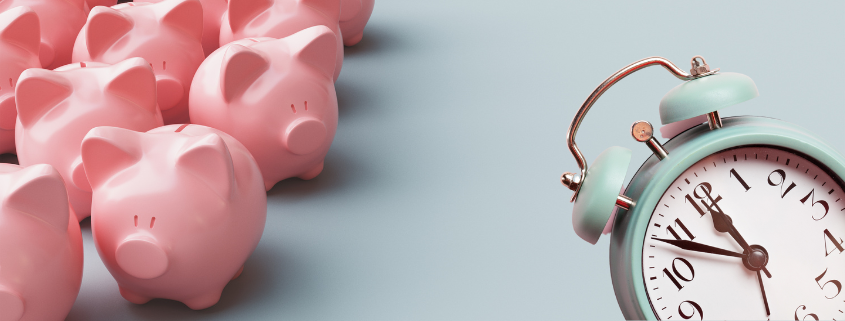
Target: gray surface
440, 197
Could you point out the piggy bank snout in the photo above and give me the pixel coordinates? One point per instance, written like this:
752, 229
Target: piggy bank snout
305, 135
11, 305
8, 111
169, 92
142, 258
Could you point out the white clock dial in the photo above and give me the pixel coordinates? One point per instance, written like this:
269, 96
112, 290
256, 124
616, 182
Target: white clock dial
776, 201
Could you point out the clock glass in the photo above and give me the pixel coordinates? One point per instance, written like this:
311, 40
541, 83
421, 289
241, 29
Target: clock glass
748, 233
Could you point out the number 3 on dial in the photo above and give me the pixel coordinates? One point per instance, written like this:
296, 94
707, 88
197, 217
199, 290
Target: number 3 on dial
774, 199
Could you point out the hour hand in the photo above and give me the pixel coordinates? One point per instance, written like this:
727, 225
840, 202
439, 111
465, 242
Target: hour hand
698, 247
720, 222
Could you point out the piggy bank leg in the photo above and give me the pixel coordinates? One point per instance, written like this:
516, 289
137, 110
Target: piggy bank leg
11, 305
351, 41
312, 172
204, 301
268, 185
238, 273
132, 297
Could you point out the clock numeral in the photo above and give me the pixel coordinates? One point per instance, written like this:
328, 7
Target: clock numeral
683, 227
782, 175
695, 307
733, 173
804, 307
678, 274
780, 178
697, 208
706, 190
837, 244
835, 282
811, 197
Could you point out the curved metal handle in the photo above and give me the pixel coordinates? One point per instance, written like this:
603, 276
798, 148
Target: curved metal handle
569, 179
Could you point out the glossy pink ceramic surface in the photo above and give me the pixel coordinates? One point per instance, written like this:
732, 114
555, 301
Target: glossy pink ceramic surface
106, 3
279, 19
167, 34
19, 42
354, 15
176, 211
57, 108
276, 96
60, 22
212, 14
41, 256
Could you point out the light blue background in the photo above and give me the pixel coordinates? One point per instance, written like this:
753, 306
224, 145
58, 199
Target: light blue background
441, 200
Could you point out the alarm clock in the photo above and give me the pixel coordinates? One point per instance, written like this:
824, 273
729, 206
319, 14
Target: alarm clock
734, 218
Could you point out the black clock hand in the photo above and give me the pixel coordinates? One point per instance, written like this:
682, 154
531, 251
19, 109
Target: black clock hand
763, 290
723, 223
698, 247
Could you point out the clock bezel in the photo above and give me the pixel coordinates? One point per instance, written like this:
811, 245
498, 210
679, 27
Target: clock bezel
654, 177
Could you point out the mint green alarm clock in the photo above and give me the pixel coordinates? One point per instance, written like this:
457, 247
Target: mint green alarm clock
734, 218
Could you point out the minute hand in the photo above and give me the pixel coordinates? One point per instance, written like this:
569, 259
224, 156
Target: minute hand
698, 247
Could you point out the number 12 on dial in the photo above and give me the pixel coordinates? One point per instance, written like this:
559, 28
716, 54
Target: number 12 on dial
748, 233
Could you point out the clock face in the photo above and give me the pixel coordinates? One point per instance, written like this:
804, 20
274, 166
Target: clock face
789, 212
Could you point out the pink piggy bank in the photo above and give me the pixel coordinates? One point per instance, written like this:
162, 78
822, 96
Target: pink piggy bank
94, 3
354, 15
279, 19
19, 42
212, 13
41, 256
57, 108
276, 96
177, 210
167, 34
60, 22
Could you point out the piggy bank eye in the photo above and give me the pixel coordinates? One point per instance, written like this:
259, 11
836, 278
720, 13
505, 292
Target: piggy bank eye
152, 221
136, 220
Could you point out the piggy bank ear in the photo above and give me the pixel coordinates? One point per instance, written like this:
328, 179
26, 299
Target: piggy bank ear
38, 190
37, 91
241, 12
134, 80
19, 26
105, 26
107, 151
316, 46
241, 67
209, 160
330, 8
185, 15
